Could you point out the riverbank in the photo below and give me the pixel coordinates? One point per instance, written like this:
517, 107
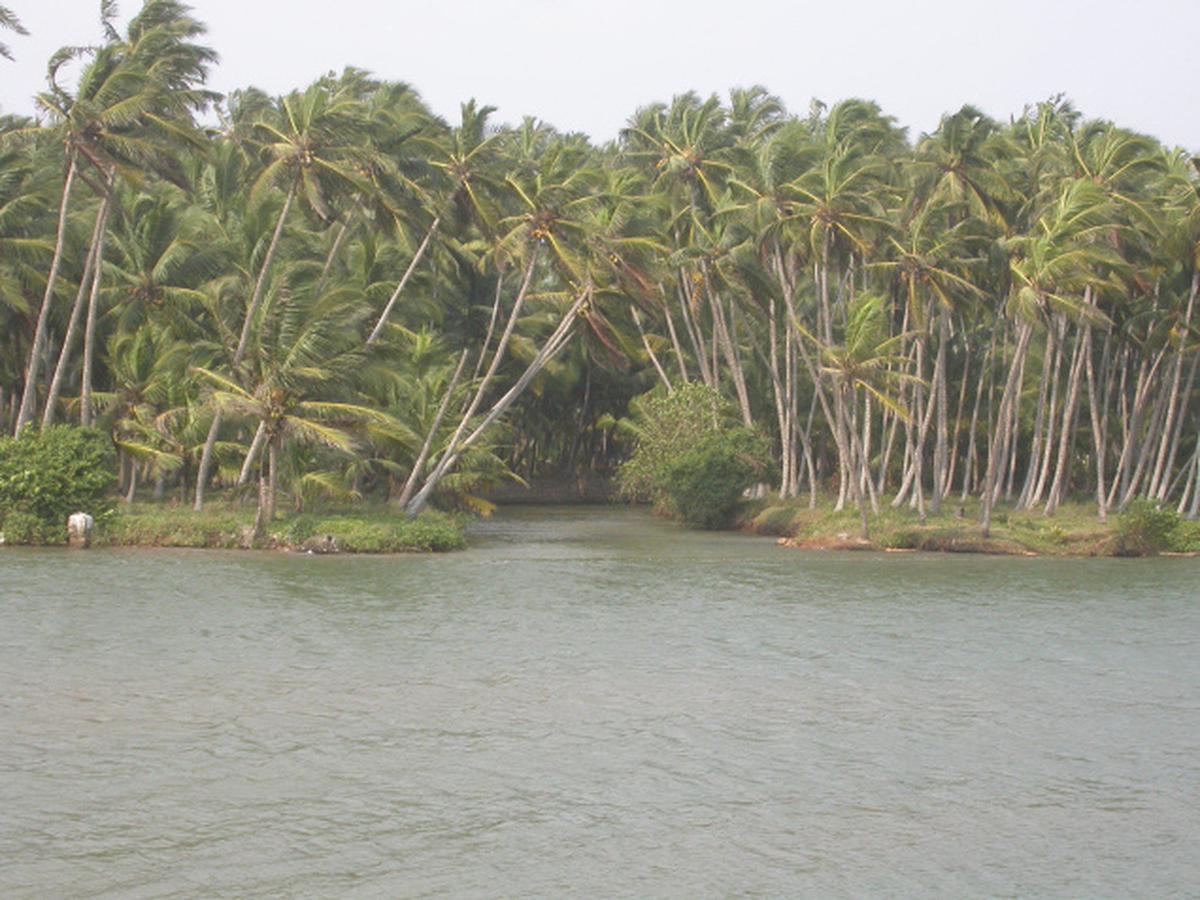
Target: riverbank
228, 526
1074, 530
375, 528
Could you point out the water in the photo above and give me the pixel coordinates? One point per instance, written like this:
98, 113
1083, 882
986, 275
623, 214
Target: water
592, 703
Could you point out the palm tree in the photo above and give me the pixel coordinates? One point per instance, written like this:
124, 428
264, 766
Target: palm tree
310, 152
866, 360
130, 112
551, 201
307, 355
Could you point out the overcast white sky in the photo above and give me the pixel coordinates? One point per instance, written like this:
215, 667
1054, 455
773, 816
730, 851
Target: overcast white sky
587, 64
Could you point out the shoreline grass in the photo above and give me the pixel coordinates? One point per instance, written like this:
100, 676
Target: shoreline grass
227, 525
1074, 530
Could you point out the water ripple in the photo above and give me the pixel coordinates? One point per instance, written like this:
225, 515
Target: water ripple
591, 702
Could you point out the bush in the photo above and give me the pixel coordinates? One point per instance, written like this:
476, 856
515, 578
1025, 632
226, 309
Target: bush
46, 477
1186, 538
776, 520
692, 458
25, 528
706, 482
1144, 529
663, 426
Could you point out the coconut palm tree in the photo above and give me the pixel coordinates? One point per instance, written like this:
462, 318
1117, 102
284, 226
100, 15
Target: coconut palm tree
309, 147
130, 113
306, 359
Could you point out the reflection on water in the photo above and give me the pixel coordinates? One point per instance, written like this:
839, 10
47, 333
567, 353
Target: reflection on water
595, 703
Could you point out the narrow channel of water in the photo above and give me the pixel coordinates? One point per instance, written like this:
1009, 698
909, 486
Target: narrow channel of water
593, 703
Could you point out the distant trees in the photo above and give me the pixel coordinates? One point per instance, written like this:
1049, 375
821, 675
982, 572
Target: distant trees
337, 291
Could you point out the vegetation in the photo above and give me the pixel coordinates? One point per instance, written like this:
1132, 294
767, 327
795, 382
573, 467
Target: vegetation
47, 476
706, 482
337, 296
351, 530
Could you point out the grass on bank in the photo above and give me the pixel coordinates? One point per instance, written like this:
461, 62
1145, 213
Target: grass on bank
1074, 530
363, 528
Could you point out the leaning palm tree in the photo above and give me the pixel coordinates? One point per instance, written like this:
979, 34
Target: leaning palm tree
130, 114
309, 148
549, 221
307, 356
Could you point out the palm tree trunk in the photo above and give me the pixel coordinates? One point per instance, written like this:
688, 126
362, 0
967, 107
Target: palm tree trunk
1098, 436
1062, 473
443, 464
1141, 470
637, 320
29, 395
778, 395
1039, 422
419, 464
133, 480
554, 343
412, 267
256, 445
1164, 490
940, 438
76, 310
686, 303
487, 338
1003, 421
86, 416
1168, 433
721, 334
273, 475
331, 257
964, 381
1194, 510
210, 441
675, 345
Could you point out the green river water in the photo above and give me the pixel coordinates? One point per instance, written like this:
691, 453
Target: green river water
590, 702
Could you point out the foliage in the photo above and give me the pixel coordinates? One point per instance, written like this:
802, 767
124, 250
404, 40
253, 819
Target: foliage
663, 426
1147, 529
47, 476
338, 294
175, 527
377, 530
431, 531
706, 482
1186, 537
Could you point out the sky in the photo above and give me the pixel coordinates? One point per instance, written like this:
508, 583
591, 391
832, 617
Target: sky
587, 65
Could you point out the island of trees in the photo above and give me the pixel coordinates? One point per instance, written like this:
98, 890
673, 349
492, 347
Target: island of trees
337, 294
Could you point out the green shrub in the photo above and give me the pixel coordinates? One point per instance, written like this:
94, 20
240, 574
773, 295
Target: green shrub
431, 531
777, 520
706, 482
25, 528
662, 427
169, 527
1145, 529
47, 476
692, 458
1186, 537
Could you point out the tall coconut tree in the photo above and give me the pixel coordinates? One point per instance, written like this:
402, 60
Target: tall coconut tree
130, 111
309, 148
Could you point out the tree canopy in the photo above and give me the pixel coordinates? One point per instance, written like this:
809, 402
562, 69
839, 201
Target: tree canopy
338, 291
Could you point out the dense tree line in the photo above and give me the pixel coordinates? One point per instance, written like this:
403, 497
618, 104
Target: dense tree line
337, 292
